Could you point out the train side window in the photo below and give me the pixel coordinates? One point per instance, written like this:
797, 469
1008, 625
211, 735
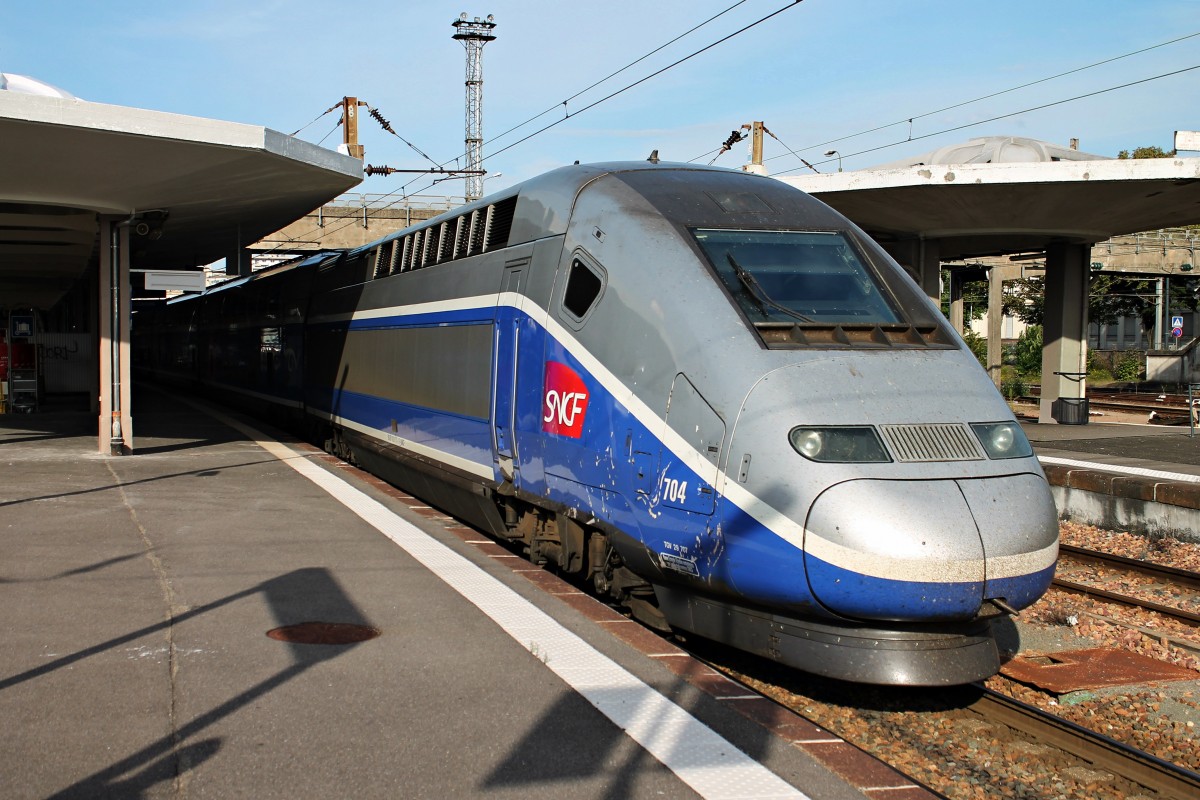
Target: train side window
584, 286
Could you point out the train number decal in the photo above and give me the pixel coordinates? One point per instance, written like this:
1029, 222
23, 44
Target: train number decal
675, 491
564, 401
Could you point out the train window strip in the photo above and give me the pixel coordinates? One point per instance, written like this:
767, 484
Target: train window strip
406, 254
429, 247
478, 231
394, 262
475, 237
501, 222
446, 241
461, 231
485, 231
383, 260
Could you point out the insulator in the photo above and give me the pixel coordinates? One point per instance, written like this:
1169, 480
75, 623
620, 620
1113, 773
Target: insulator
387, 126
380, 170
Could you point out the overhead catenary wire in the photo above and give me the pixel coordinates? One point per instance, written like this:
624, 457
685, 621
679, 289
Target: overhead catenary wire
387, 126
790, 150
611, 75
909, 120
317, 117
595, 103
1004, 116
655, 74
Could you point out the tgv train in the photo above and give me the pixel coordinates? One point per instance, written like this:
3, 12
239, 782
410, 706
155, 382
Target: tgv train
701, 390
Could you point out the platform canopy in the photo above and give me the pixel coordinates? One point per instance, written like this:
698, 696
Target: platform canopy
998, 195
204, 188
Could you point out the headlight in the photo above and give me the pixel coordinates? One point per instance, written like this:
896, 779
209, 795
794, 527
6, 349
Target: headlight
1002, 439
839, 445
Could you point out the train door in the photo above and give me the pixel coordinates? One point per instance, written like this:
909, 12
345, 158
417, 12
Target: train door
504, 379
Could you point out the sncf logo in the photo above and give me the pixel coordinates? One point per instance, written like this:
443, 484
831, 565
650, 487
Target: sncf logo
564, 401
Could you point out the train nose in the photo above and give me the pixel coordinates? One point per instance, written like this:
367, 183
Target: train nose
929, 550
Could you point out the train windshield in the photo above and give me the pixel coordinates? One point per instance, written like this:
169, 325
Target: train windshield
798, 276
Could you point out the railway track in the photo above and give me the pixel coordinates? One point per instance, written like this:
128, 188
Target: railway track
1101, 752
1117, 767
1171, 410
1163, 575
955, 738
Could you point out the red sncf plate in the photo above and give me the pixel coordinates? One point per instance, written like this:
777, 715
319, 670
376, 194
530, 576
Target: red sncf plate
564, 401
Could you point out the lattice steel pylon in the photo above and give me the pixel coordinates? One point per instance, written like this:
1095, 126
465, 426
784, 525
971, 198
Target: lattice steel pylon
474, 35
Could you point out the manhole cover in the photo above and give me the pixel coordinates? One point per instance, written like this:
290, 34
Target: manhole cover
323, 633
1094, 668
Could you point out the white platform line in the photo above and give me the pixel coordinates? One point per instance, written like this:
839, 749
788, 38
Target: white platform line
1140, 471
701, 758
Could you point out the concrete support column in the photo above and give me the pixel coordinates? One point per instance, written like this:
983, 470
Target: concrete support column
929, 267
237, 263
921, 259
237, 259
995, 320
957, 313
1064, 344
115, 429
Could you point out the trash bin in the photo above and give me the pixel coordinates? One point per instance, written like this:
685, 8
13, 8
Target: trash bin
1070, 410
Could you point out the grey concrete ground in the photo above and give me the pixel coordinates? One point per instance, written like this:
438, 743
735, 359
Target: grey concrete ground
1160, 447
135, 597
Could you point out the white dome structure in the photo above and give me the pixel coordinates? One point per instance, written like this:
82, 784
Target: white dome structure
994, 150
25, 85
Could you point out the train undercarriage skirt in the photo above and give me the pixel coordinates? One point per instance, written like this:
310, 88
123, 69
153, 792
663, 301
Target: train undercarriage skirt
929, 655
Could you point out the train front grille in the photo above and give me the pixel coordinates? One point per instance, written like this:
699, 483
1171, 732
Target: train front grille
932, 442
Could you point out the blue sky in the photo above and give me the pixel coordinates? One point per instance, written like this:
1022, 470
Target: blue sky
816, 74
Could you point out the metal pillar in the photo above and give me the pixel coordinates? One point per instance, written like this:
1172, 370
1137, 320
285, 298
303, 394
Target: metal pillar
115, 425
1159, 333
756, 149
474, 35
1064, 342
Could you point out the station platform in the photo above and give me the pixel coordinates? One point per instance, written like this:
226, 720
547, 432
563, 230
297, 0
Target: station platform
1142, 479
1120, 446
137, 593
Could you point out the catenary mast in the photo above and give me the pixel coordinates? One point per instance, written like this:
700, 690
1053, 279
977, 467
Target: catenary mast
474, 35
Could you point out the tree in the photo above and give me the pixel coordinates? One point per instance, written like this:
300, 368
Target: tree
1025, 299
975, 298
1112, 297
1027, 353
1151, 151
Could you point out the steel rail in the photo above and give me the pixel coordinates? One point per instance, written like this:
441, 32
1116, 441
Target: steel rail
1150, 570
1167, 779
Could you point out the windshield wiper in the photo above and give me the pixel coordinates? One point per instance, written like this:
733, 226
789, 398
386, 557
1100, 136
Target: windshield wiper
758, 294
